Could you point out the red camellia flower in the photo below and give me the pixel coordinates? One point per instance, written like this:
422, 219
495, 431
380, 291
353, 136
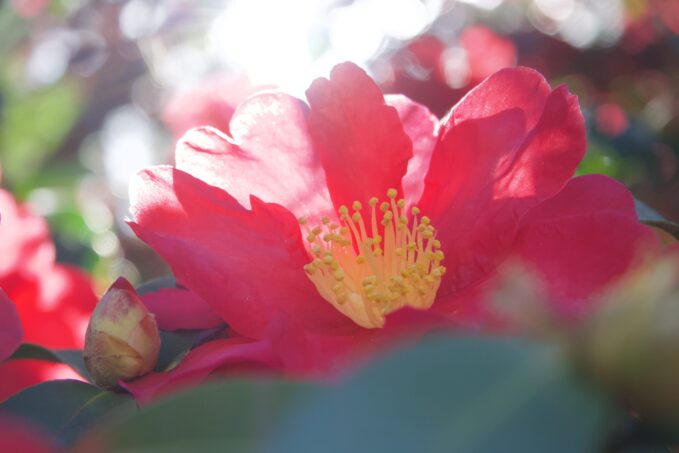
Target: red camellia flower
53, 301
404, 220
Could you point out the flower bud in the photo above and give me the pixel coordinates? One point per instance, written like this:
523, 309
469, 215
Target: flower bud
122, 340
631, 345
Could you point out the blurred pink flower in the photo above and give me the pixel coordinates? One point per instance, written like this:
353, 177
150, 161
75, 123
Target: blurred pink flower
53, 301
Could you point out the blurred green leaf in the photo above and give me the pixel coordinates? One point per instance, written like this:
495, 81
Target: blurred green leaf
599, 161
66, 408
34, 123
70, 357
466, 394
217, 417
453, 395
650, 216
175, 345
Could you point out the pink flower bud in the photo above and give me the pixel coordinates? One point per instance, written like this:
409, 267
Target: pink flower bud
122, 340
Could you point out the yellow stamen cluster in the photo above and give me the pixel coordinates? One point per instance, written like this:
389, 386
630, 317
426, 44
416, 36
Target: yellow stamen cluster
367, 271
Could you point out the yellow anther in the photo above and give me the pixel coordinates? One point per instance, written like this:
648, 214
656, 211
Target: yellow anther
302, 220
367, 268
369, 280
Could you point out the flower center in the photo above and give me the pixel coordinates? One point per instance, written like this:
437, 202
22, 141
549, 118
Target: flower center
365, 275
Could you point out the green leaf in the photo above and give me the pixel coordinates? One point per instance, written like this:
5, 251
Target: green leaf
217, 417
175, 345
34, 124
70, 357
66, 408
650, 216
453, 395
460, 395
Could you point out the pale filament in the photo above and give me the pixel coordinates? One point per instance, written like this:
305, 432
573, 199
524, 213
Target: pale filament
367, 271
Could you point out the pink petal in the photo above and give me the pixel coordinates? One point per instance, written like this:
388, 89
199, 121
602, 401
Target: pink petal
11, 332
270, 156
16, 435
246, 264
24, 238
212, 103
507, 146
200, 363
420, 125
582, 239
363, 147
177, 309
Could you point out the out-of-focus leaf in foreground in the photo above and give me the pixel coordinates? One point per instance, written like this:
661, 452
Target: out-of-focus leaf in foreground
460, 394
217, 417
66, 408
70, 357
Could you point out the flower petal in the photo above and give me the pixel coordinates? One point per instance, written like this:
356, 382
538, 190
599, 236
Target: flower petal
507, 146
360, 139
16, 435
11, 331
176, 308
270, 156
212, 103
200, 363
581, 240
246, 264
420, 125
24, 238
